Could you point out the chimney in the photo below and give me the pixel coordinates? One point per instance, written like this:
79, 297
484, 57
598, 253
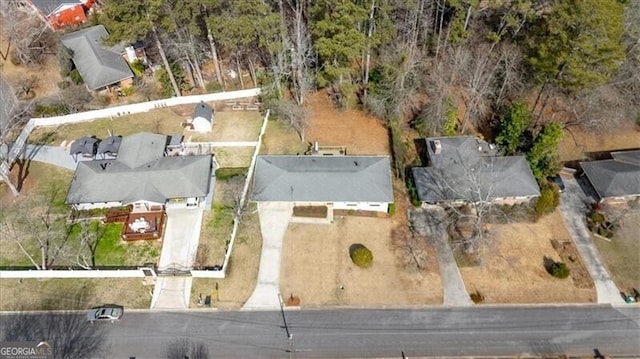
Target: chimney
437, 147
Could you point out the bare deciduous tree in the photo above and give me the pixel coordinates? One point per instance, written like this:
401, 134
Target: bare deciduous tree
38, 228
186, 348
294, 116
29, 38
89, 237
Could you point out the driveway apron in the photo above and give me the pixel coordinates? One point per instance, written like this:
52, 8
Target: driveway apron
574, 205
274, 219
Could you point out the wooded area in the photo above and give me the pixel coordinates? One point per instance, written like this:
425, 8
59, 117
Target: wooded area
439, 67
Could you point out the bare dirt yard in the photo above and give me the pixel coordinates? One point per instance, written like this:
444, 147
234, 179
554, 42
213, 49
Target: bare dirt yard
316, 267
360, 133
512, 268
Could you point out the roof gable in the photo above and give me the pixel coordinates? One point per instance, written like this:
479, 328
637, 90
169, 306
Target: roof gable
98, 65
323, 179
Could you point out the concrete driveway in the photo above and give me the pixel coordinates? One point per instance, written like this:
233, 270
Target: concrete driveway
54, 155
274, 220
429, 222
179, 248
574, 205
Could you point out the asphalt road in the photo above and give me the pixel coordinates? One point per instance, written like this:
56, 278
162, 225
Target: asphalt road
479, 331
535, 331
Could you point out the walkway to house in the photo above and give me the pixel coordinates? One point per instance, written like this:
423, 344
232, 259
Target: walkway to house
274, 219
574, 205
429, 222
179, 248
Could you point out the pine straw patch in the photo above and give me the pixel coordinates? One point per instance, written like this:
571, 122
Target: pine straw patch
512, 268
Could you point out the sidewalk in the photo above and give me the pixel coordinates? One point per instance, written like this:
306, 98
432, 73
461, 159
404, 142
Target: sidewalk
274, 220
573, 206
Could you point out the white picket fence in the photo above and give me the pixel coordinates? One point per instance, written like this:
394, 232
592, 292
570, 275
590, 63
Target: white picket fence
17, 274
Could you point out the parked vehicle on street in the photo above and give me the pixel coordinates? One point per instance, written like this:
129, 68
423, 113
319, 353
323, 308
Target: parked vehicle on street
108, 312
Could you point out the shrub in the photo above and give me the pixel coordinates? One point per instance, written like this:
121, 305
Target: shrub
392, 209
128, 91
549, 199
213, 86
137, 67
225, 173
361, 255
559, 270
50, 110
477, 297
75, 76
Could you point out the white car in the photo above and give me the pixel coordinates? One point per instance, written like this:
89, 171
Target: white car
105, 313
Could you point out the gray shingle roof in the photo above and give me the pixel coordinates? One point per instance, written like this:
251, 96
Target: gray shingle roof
467, 169
85, 145
203, 110
323, 179
155, 179
98, 65
110, 145
140, 148
618, 177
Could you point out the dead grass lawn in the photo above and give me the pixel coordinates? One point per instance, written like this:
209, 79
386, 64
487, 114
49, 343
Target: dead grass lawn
242, 274
512, 269
622, 255
234, 156
280, 140
316, 264
228, 126
49, 294
577, 142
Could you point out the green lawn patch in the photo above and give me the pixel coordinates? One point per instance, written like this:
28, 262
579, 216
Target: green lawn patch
113, 251
223, 174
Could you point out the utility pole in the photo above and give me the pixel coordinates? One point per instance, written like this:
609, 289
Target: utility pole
284, 319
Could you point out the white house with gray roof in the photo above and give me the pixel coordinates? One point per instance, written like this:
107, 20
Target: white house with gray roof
465, 169
343, 182
142, 176
99, 65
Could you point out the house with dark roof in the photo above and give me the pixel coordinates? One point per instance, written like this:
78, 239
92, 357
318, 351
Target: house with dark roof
339, 182
615, 180
109, 147
141, 175
61, 14
85, 146
100, 66
464, 169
